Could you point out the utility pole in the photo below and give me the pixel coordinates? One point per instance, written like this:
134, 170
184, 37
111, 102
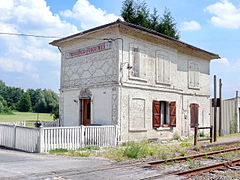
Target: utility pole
236, 112
220, 107
215, 110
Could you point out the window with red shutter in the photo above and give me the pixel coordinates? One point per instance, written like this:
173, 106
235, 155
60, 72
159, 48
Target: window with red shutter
156, 114
194, 114
172, 110
164, 114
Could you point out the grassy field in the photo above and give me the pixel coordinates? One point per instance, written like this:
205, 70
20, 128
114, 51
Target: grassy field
25, 116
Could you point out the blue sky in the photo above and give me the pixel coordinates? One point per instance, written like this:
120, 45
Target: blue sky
28, 62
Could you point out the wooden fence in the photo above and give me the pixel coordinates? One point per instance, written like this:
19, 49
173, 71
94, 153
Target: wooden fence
46, 138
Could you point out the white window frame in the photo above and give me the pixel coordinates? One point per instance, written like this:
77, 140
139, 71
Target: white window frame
143, 61
193, 75
163, 68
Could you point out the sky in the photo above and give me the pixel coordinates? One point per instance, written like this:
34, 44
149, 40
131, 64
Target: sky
30, 62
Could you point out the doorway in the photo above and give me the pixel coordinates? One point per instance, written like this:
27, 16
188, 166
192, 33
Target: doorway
194, 109
86, 112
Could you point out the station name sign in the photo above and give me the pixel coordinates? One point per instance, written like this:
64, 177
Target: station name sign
89, 50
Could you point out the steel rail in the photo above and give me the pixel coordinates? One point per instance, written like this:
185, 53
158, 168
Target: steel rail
210, 168
196, 156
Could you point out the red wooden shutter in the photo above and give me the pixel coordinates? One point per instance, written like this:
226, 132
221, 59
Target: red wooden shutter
194, 114
156, 114
172, 110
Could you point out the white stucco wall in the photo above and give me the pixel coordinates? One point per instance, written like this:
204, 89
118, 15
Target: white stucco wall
102, 101
146, 90
148, 95
102, 106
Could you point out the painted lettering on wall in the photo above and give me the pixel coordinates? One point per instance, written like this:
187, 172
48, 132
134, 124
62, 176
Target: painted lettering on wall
89, 50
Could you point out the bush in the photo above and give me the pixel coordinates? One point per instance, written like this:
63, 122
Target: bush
4, 109
132, 151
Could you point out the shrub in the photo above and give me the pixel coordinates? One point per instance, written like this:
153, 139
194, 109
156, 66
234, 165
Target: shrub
132, 151
201, 134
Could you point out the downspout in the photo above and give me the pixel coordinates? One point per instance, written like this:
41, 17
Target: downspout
61, 91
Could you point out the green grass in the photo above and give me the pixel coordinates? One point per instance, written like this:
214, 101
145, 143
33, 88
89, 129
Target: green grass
59, 150
25, 116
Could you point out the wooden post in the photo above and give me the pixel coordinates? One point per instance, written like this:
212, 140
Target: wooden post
220, 108
14, 136
41, 144
215, 110
211, 134
82, 136
236, 112
195, 134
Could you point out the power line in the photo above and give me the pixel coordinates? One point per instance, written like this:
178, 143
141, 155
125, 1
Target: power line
51, 37
31, 35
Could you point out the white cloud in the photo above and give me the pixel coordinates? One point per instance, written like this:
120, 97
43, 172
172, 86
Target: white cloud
190, 26
10, 65
36, 54
19, 54
88, 15
225, 14
223, 60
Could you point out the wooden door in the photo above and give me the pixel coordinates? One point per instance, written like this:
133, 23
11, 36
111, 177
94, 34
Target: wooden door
194, 114
86, 112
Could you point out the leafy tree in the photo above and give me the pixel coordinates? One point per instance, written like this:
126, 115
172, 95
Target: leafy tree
41, 104
39, 100
24, 104
168, 26
138, 13
3, 106
10, 94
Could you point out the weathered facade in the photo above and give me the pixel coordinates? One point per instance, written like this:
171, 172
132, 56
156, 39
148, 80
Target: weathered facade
149, 85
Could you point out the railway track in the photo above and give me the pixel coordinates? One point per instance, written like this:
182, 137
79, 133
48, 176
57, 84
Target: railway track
210, 168
196, 171
195, 156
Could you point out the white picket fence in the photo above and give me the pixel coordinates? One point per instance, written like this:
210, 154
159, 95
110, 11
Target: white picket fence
54, 123
47, 138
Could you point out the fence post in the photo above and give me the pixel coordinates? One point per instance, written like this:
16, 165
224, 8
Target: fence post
195, 134
82, 136
116, 135
14, 136
41, 140
211, 133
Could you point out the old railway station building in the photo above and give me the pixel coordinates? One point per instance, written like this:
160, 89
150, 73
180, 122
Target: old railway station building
149, 85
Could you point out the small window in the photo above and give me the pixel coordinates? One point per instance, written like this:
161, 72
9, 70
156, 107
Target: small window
163, 69
193, 75
138, 61
164, 114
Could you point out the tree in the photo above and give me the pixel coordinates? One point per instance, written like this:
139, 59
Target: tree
10, 94
24, 104
138, 13
168, 26
3, 106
